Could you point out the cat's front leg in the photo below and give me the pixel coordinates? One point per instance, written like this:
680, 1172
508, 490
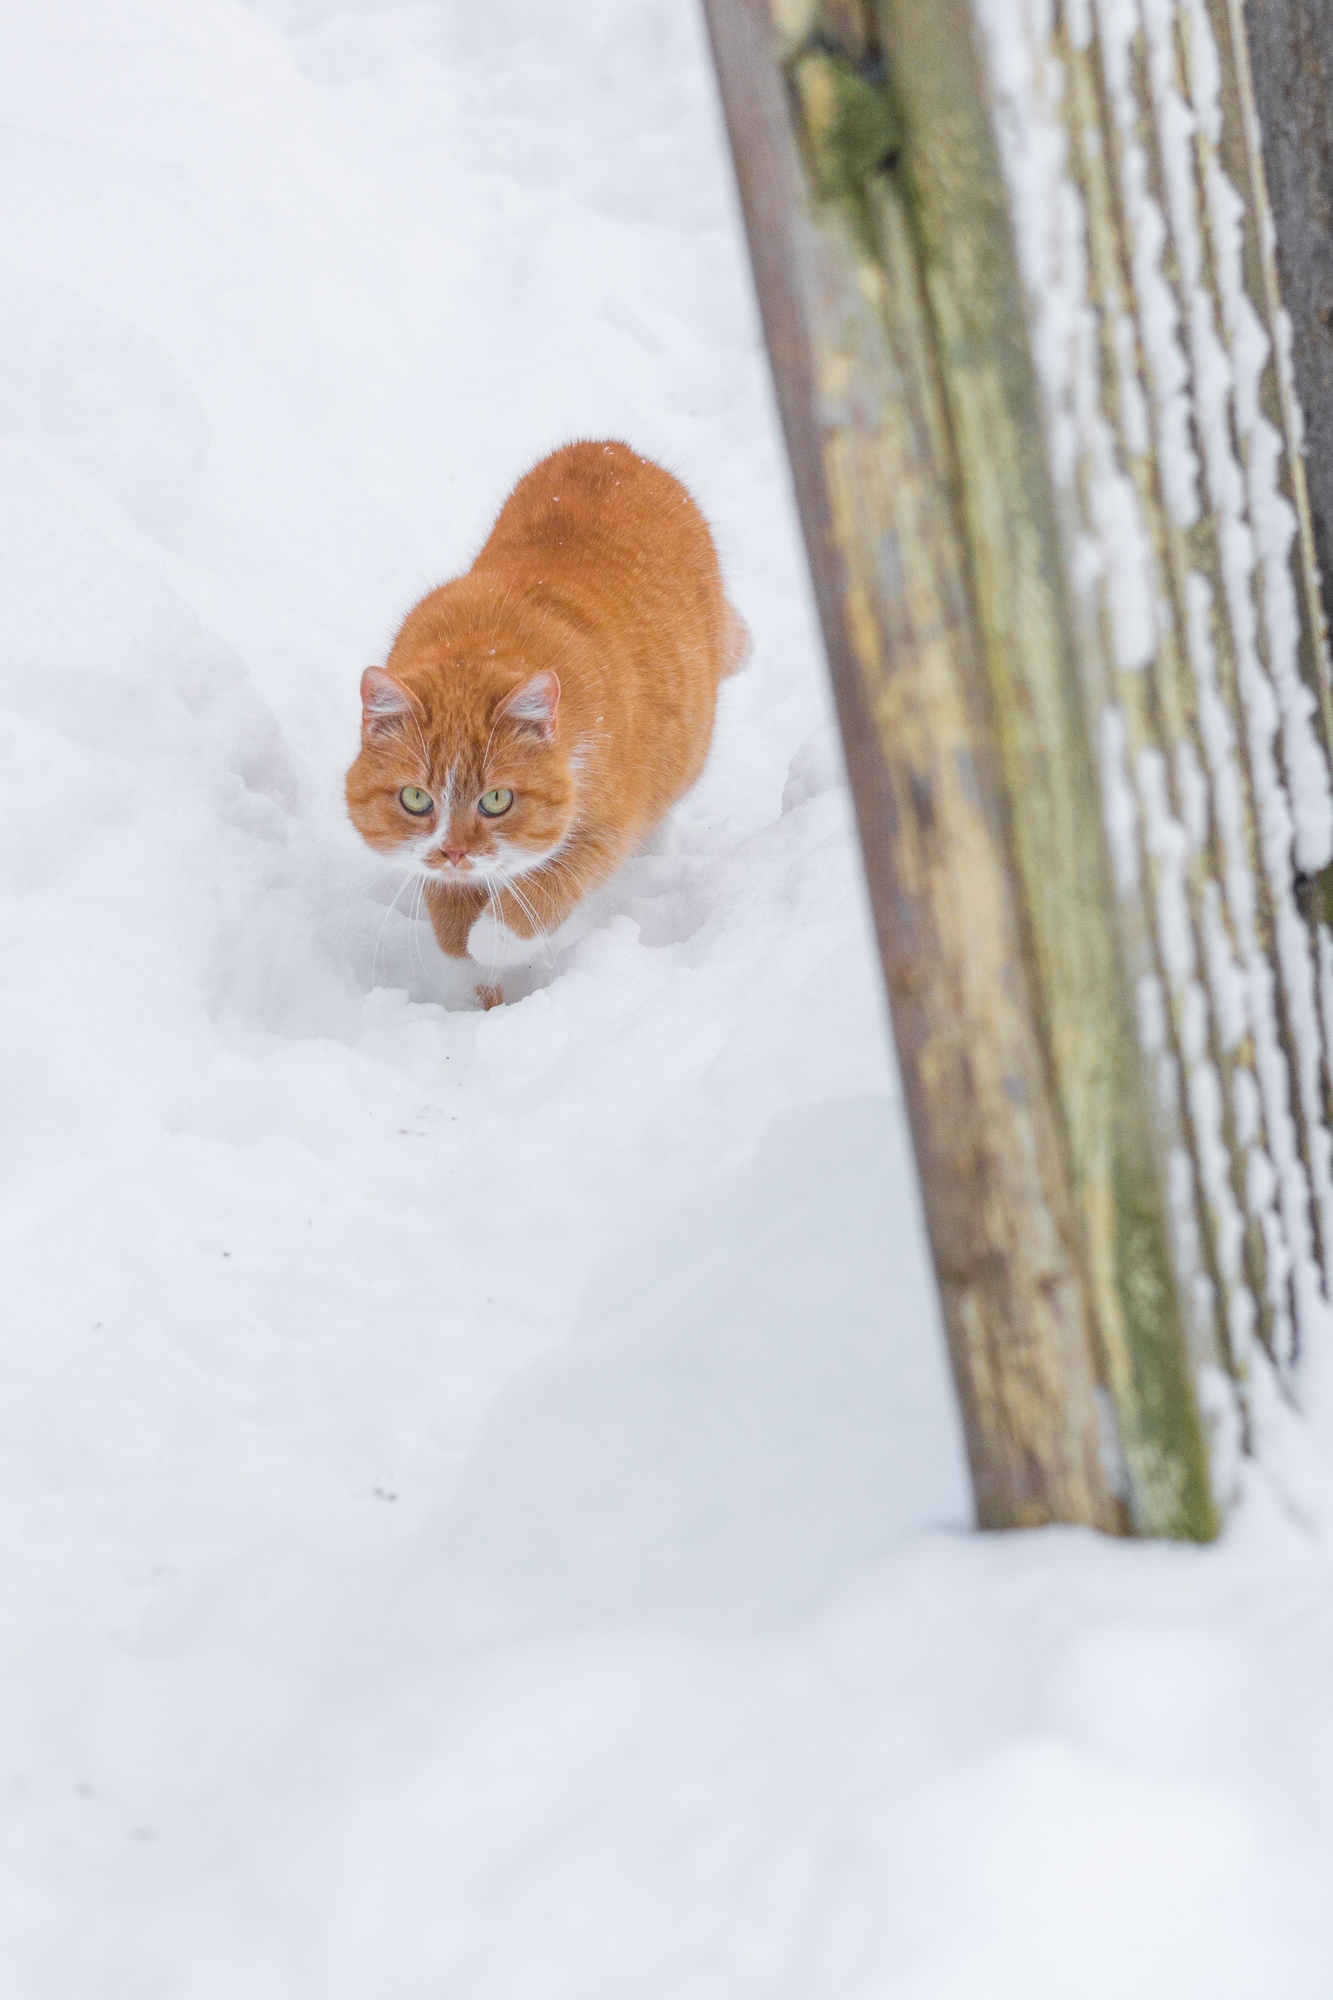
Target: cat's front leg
514, 928
492, 944
452, 915
520, 920
540, 902
493, 949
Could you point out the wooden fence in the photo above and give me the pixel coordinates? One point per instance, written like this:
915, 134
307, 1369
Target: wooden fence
1019, 283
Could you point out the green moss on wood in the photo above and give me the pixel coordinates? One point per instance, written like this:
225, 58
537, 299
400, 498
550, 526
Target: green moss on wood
850, 125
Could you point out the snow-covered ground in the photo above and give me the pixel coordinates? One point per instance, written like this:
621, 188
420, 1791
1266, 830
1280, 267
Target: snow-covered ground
482, 1508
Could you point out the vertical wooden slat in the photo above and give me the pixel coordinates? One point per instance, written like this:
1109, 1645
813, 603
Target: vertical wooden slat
1042, 1191
1045, 671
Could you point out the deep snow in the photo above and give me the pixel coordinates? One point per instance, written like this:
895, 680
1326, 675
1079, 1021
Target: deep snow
483, 1509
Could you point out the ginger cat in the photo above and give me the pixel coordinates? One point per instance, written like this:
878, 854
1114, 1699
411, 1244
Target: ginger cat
537, 717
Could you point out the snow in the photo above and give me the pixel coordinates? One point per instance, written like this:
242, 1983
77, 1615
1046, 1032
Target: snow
484, 1511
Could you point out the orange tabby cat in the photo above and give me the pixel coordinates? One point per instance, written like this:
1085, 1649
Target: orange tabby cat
537, 716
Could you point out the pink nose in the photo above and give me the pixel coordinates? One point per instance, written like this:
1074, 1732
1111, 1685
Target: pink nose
456, 854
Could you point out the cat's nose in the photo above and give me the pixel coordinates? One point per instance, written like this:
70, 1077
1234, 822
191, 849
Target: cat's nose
457, 855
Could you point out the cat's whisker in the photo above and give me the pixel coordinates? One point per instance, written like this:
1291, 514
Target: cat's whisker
493, 903
508, 889
379, 935
414, 943
563, 864
534, 920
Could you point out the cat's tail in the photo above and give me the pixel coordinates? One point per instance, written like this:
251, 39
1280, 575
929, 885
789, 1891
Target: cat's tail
737, 645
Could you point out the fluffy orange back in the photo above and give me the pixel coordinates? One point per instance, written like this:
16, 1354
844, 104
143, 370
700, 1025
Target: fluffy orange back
537, 716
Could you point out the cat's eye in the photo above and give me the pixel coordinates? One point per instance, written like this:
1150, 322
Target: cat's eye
414, 800
496, 802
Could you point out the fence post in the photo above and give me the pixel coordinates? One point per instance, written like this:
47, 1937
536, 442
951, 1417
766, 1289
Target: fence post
1042, 459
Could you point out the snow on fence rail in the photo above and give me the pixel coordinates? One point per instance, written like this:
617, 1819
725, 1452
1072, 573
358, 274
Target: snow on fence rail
1017, 274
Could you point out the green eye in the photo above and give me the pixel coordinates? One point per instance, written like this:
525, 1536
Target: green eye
414, 800
496, 802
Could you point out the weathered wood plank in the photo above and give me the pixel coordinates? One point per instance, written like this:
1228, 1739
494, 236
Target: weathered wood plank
871, 429
1044, 673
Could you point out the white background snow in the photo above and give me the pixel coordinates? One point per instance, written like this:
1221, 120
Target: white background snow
483, 1512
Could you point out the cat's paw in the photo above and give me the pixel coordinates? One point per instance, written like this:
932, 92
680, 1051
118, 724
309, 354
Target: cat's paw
494, 945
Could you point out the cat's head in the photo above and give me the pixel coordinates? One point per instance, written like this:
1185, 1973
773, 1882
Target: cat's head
462, 776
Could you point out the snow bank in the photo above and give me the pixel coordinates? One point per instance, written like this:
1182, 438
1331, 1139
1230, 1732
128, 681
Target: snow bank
482, 1498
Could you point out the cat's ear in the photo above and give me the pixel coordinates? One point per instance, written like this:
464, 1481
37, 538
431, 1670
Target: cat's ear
384, 701
535, 704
